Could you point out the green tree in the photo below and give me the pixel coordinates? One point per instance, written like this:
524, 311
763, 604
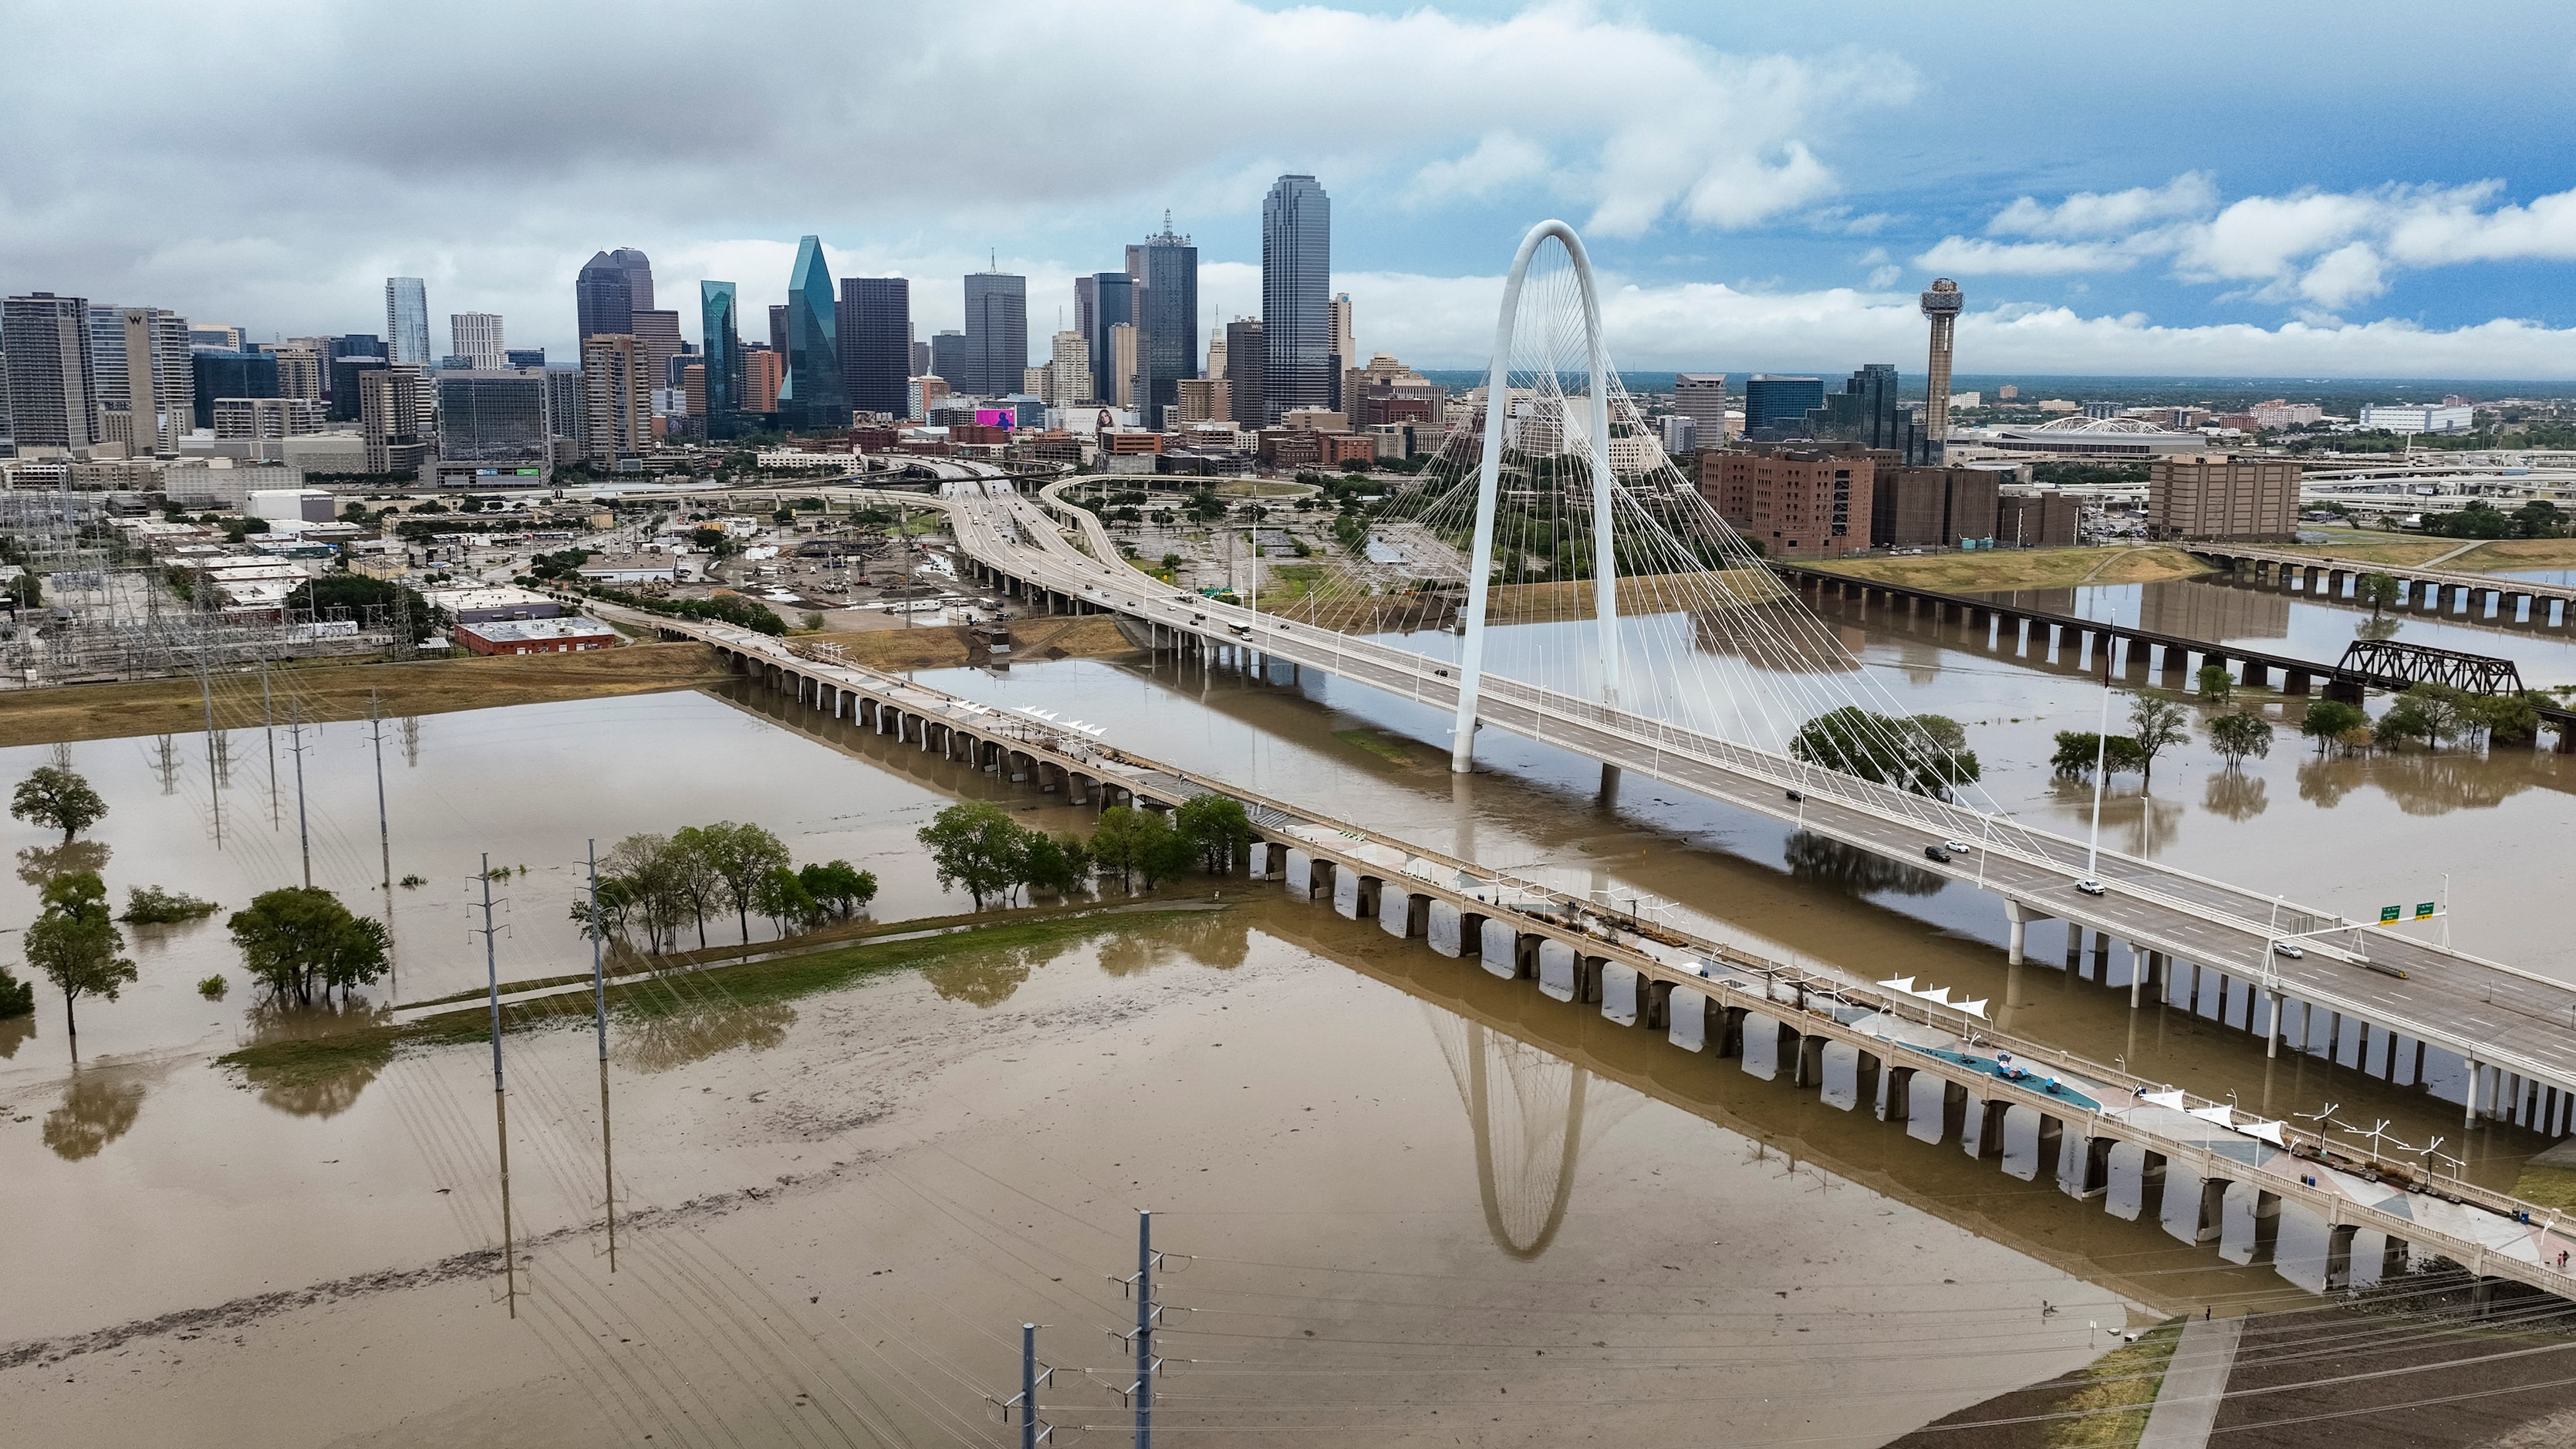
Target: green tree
2377, 590
298, 938
838, 887
2078, 749
1924, 753
17, 998
2327, 720
689, 869
2433, 713
1134, 842
58, 798
2215, 684
2159, 723
1217, 829
1055, 863
977, 846
780, 896
2235, 736
75, 944
2508, 719
741, 855
361, 596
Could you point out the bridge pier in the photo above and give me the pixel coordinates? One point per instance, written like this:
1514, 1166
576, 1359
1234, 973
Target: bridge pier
2019, 915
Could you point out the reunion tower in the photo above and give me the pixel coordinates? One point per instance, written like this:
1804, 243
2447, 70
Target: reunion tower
1941, 304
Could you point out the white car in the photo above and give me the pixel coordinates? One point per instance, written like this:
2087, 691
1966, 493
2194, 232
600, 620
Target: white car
2089, 886
2289, 949
1957, 847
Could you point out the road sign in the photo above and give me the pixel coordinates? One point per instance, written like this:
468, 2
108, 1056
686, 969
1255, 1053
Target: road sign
2423, 910
2387, 914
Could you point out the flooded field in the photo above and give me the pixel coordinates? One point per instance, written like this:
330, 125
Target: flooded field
1408, 1202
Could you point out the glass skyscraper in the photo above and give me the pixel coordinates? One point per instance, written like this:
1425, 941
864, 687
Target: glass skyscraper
812, 395
610, 288
491, 416
1167, 341
1113, 301
1296, 297
1776, 407
997, 333
407, 319
876, 343
720, 337
230, 374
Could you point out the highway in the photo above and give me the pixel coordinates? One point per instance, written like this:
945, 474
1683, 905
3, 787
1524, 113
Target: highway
2491, 1013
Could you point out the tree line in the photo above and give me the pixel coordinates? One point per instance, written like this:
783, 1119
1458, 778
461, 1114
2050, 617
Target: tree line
978, 848
653, 887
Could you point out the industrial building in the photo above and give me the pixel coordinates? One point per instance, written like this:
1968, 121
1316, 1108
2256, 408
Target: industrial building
2218, 496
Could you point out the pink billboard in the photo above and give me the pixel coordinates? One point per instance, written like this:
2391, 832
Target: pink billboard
993, 418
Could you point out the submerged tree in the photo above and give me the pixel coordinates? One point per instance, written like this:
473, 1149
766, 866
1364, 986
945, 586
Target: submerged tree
58, 798
1926, 754
296, 940
2158, 724
2235, 736
978, 847
75, 944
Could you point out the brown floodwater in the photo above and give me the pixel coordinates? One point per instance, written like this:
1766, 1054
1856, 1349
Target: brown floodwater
1413, 1203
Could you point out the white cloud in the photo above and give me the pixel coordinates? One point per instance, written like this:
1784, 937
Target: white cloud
1884, 277
494, 168
2344, 276
1449, 322
2090, 213
2449, 231
1977, 257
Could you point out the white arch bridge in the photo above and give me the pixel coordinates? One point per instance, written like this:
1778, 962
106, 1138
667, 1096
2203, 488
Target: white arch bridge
2499, 1040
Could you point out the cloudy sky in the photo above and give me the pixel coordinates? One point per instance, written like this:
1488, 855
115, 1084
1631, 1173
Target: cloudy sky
2287, 190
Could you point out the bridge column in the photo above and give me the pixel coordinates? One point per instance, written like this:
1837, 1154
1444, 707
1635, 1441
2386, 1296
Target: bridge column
2257, 674
1895, 1092
2295, 682
2019, 915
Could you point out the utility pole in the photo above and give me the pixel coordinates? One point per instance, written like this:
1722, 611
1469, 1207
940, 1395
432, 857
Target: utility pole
268, 726
384, 822
303, 834
1144, 1330
500, 1095
214, 774
599, 1008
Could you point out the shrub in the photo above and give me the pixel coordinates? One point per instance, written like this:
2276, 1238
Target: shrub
213, 987
153, 906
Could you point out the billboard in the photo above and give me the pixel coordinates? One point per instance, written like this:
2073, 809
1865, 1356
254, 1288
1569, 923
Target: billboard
994, 418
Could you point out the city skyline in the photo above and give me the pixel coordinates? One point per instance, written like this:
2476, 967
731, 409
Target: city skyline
1764, 196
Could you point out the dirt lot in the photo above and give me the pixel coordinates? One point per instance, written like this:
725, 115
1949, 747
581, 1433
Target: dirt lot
1092, 636
2039, 568
339, 691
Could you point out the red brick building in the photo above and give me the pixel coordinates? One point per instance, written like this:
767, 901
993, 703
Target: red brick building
1795, 502
572, 635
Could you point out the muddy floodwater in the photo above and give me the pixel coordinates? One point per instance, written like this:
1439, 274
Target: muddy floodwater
1405, 1202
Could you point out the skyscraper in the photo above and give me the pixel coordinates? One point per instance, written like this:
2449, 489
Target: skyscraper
619, 400
107, 366
476, 337
1167, 342
813, 395
1068, 371
407, 320
1701, 397
720, 336
160, 385
948, 359
608, 289
1296, 280
1243, 360
1113, 301
658, 332
1867, 411
53, 388
220, 375
1941, 304
1775, 407
389, 410
1346, 357
997, 333
875, 342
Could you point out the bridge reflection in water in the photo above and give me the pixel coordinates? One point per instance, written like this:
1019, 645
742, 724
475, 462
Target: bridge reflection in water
1529, 1111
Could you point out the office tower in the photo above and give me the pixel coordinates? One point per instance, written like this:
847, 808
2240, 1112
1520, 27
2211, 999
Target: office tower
875, 343
1243, 359
215, 336
813, 395
1123, 366
2218, 495
1215, 351
389, 409
920, 358
266, 419
1941, 304
357, 344
523, 357
1068, 371
229, 374
658, 333
407, 320
1168, 337
160, 379
1086, 306
1776, 407
53, 390
1346, 356
778, 328
1867, 411
106, 325
1203, 400
610, 288
567, 410
495, 415
1701, 397
997, 333
1296, 275
1113, 301
720, 339
619, 401
344, 385
948, 359
693, 386
763, 370
476, 337
299, 373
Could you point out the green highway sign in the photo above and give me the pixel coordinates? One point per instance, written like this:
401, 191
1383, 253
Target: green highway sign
2423, 910
2387, 914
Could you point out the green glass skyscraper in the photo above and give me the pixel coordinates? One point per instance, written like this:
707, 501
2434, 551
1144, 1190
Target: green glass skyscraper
812, 395
720, 342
